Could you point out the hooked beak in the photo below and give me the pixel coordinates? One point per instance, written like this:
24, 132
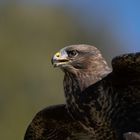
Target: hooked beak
59, 59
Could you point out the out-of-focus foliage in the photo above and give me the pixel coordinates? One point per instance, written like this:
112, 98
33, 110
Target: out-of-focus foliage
29, 36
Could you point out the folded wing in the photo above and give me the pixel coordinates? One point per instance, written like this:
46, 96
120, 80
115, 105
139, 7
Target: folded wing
55, 123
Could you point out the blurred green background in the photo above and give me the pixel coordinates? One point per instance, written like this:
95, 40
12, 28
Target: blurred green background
30, 33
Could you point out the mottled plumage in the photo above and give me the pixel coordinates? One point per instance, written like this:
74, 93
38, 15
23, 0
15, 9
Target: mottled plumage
54, 123
103, 103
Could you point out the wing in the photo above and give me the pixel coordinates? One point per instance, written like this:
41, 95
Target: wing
126, 83
55, 123
127, 64
126, 71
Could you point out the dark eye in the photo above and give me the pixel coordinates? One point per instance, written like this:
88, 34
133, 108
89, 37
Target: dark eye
72, 53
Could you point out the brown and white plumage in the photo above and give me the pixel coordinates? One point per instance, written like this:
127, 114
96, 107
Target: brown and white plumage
105, 104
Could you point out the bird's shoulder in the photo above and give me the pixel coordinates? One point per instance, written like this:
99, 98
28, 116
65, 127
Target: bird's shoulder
127, 64
55, 123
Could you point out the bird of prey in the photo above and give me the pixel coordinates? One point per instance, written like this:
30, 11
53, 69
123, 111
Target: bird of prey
101, 103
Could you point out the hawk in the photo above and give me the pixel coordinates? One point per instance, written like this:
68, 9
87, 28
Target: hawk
101, 103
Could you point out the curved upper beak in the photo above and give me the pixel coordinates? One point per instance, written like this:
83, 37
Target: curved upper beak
59, 59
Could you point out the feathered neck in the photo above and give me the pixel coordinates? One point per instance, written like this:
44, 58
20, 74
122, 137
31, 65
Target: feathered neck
75, 88
78, 92
80, 80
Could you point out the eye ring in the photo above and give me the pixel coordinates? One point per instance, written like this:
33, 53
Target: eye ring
72, 53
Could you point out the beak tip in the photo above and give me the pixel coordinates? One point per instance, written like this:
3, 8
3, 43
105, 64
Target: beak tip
52, 60
59, 59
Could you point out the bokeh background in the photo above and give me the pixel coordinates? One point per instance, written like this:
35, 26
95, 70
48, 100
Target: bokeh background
31, 31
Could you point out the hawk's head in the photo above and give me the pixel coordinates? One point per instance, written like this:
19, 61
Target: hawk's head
79, 58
